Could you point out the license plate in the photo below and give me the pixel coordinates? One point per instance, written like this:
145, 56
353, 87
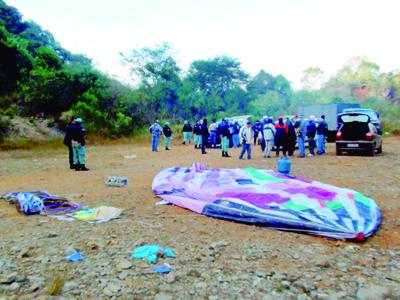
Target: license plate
352, 145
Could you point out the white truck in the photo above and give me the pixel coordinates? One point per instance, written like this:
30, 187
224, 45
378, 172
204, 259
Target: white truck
330, 111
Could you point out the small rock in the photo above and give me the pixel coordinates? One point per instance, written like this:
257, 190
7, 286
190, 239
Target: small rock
170, 278
8, 279
112, 288
70, 286
124, 265
123, 275
194, 273
52, 235
353, 248
13, 287
201, 285
373, 292
162, 296
323, 263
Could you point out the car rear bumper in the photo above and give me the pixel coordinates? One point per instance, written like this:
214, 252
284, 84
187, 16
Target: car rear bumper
354, 145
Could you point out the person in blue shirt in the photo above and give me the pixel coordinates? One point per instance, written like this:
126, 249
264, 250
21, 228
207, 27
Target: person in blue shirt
235, 134
322, 132
300, 127
257, 128
155, 131
311, 131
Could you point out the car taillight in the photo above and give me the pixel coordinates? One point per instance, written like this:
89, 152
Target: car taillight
369, 136
338, 135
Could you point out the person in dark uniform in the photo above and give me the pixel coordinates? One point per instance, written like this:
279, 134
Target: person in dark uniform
291, 139
197, 135
281, 136
67, 142
187, 133
78, 145
226, 136
257, 128
204, 135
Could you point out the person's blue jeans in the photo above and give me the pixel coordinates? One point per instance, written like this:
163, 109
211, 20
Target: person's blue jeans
235, 140
154, 142
320, 144
245, 147
79, 153
302, 147
213, 139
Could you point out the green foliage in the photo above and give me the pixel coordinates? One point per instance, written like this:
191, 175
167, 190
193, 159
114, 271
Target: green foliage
38, 76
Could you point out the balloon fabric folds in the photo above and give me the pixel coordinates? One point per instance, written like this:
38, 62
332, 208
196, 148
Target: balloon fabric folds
266, 198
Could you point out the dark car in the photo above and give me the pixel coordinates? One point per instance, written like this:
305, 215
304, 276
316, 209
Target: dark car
375, 118
357, 133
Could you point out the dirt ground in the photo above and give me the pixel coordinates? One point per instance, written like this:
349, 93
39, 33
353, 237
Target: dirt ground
376, 177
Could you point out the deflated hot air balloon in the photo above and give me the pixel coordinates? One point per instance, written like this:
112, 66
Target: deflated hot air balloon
266, 198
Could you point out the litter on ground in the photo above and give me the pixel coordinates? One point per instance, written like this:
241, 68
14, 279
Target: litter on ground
151, 253
99, 214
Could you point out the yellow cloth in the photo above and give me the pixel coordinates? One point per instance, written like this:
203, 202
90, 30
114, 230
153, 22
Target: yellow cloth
98, 213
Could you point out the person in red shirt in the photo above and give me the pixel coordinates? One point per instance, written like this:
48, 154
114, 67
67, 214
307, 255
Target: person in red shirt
281, 136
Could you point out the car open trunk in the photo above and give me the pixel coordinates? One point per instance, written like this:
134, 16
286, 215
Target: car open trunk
354, 131
354, 126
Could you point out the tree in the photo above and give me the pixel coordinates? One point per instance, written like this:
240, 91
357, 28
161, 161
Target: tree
215, 78
312, 78
260, 83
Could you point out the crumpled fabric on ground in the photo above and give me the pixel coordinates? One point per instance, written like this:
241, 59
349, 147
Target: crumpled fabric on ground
36, 202
152, 252
99, 214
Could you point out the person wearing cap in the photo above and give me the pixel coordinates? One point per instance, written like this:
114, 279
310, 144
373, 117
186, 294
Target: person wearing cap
311, 131
300, 127
155, 131
67, 142
187, 132
281, 136
78, 145
246, 134
167, 132
269, 136
322, 132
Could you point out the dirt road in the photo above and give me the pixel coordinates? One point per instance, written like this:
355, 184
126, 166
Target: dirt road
215, 258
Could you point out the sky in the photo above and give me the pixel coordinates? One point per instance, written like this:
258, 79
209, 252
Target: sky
280, 36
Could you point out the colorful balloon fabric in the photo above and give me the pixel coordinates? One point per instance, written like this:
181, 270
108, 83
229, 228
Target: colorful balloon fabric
266, 198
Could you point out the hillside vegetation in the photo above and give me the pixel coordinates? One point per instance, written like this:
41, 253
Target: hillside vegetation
39, 78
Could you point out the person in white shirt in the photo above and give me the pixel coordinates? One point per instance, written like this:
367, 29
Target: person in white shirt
269, 135
246, 134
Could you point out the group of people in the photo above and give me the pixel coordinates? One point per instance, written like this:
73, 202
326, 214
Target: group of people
282, 134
